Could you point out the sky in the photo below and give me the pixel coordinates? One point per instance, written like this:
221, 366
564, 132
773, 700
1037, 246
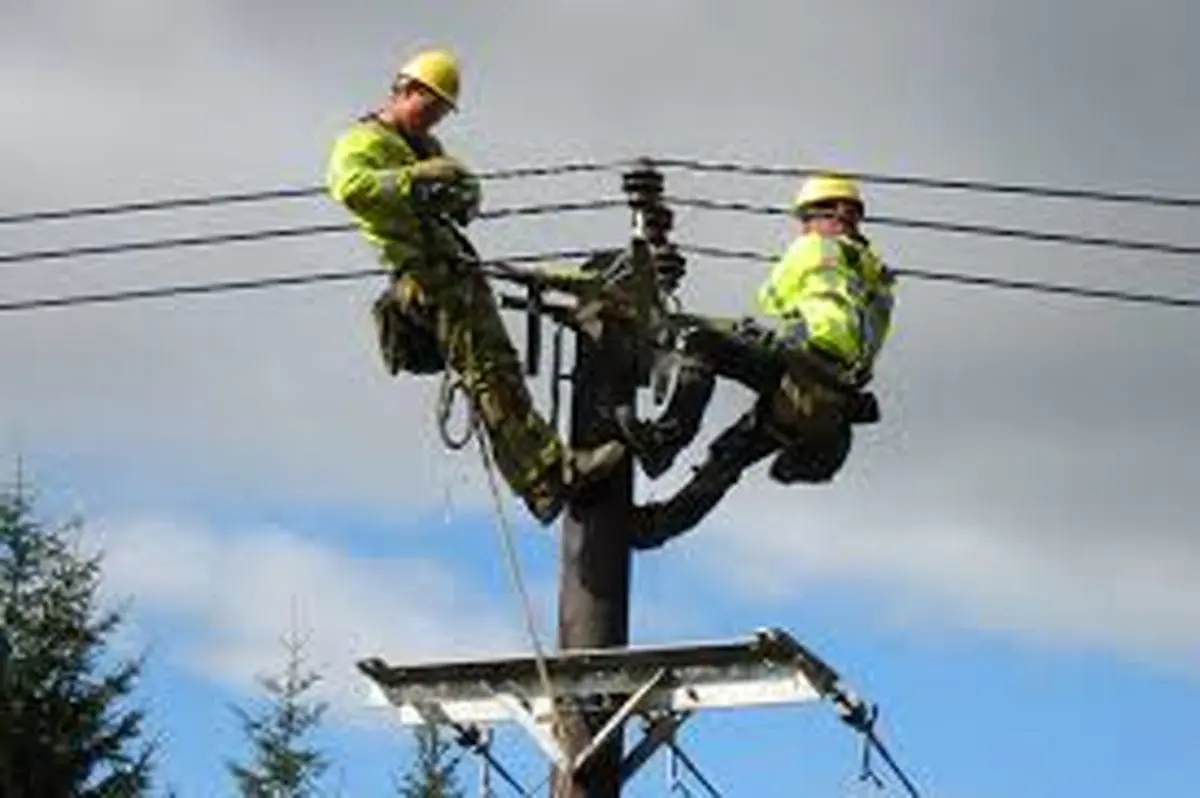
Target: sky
1006, 565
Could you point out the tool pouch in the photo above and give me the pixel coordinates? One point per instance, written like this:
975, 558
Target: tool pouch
406, 339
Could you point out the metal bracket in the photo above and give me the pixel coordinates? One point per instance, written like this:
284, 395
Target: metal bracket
557, 377
533, 330
618, 718
658, 732
520, 711
663, 684
470, 738
678, 756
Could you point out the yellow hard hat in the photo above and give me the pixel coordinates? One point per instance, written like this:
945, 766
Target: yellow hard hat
437, 70
825, 187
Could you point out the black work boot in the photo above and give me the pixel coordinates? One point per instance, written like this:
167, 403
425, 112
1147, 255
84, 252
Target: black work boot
657, 443
655, 523
815, 461
582, 467
737, 448
651, 442
579, 469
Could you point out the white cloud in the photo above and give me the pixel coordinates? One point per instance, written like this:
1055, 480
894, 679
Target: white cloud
1054, 425
1103, 591
229, 596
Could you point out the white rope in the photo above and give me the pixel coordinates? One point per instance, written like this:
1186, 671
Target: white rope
514, 569
512, 559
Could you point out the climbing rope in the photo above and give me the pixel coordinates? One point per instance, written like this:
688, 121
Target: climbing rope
514, 569
450, 386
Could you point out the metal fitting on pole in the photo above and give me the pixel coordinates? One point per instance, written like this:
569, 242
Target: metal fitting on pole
652, 223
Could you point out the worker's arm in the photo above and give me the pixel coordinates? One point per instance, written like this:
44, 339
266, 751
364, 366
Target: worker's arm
812, 284
879, 311
358, 178
789, 275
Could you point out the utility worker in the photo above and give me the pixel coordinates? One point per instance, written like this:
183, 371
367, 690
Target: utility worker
406, 196
829, 303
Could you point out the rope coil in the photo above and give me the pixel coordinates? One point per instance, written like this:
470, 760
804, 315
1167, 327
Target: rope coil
449, 387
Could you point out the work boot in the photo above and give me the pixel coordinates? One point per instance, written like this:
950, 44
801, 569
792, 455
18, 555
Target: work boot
655, 523
813, 462
580, 468
656, 444
651, 443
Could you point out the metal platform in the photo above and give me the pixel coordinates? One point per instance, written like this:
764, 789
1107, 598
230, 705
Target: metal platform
663, 684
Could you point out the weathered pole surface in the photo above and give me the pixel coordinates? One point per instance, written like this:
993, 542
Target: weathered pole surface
595, 559
595, 556
594, 575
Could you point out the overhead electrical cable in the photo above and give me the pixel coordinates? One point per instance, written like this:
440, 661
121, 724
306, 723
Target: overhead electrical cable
985, 281
279, 281
585, 167
1107, 242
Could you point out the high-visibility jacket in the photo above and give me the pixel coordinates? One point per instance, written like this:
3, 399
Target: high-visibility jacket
369, 172
832, 294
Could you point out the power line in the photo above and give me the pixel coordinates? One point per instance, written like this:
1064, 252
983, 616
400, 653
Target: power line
590, 205
173, 203
993, 231
987, 281
920, 181
221, 287
172, 243
273, 233
252, 284
233, 198
583, 167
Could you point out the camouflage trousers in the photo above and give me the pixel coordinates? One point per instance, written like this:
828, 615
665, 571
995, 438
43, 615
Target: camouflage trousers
451, 319
797, 417
797, 406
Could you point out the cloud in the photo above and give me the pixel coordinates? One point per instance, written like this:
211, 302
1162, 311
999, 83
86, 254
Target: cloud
1039, 430
230, 595
1044, 577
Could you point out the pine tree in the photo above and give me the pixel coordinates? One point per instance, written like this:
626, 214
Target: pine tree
433, 773
283, 765
63, 729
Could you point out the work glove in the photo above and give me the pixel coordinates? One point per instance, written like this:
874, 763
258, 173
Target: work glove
465, 200
439, 169
444, 186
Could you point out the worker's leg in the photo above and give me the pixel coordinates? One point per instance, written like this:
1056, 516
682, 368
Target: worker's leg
657, 442
476, 345
815, 459
812, 422
740, 446
804, 418
710, 350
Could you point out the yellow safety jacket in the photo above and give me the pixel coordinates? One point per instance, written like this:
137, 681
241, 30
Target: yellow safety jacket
369, 172
832, 294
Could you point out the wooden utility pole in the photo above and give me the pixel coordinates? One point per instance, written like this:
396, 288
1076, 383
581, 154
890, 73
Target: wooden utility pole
599, 681
595, 557
594, 574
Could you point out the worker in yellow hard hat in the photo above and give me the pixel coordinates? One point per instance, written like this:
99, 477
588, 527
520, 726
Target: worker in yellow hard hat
828, 306
409, 199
